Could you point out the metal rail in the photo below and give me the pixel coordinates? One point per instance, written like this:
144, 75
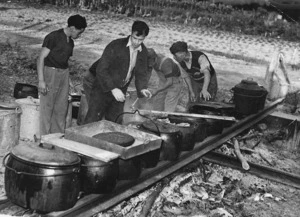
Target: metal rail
92, 204
258, 170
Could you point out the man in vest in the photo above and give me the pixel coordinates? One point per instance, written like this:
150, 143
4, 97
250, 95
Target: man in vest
199, 68
167, 94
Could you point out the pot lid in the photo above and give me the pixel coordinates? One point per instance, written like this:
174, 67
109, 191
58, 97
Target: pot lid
44, 154
119, 138
160, 127
249, 86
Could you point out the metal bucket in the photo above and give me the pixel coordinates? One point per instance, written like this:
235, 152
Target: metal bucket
30, 118
9, 128
30, 126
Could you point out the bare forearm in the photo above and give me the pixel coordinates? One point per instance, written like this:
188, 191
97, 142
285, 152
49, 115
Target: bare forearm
40, 68
206, 80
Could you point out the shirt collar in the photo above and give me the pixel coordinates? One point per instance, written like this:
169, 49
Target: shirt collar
129, 44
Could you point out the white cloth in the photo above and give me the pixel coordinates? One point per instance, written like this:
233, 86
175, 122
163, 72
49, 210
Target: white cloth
133, 54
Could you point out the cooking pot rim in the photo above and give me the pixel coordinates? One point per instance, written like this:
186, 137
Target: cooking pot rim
45, 154
60, 170
46, 165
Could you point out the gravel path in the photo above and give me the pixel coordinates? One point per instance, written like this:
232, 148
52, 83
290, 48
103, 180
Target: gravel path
28, 26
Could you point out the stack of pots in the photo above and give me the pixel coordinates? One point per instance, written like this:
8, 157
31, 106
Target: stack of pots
194, 131
42, 177
171, 139
248, 97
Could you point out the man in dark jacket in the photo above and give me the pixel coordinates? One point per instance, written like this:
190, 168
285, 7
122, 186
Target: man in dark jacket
122, 59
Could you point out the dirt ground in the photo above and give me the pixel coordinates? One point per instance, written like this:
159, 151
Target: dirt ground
27, 26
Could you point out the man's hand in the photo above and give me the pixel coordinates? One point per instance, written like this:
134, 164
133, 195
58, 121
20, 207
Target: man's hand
118, 94
192, 96
43, 88
146, 93
154, 93
205, 94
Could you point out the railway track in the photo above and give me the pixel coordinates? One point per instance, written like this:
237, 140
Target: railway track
95, 203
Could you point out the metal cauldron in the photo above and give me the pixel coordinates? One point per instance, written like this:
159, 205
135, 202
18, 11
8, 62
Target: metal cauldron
195, 132
42, 177
214, 126
148, 160
97, 176
171, 138
249, 97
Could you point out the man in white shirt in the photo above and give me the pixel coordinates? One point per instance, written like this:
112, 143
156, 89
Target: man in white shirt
121, 60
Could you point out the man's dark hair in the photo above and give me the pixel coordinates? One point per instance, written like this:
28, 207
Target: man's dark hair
179, 46
77, 21
140, 27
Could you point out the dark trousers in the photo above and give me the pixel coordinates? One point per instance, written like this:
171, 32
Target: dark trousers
103, 105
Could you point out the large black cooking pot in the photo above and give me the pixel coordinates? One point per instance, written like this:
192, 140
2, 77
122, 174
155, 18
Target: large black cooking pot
249, 97
194, 131
42, 177
22, 90
171, 138
97, 176
214, 126
130, 169
133, 167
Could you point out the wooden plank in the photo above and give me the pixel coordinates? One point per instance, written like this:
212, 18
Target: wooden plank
144, 142
165, 114
87, 150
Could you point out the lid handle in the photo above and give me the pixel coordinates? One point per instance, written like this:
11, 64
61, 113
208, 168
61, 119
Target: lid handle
46, 146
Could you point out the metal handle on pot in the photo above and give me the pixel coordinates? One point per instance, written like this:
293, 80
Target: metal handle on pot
18, 110
7, 167
4, 159
137, 111
46, 146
